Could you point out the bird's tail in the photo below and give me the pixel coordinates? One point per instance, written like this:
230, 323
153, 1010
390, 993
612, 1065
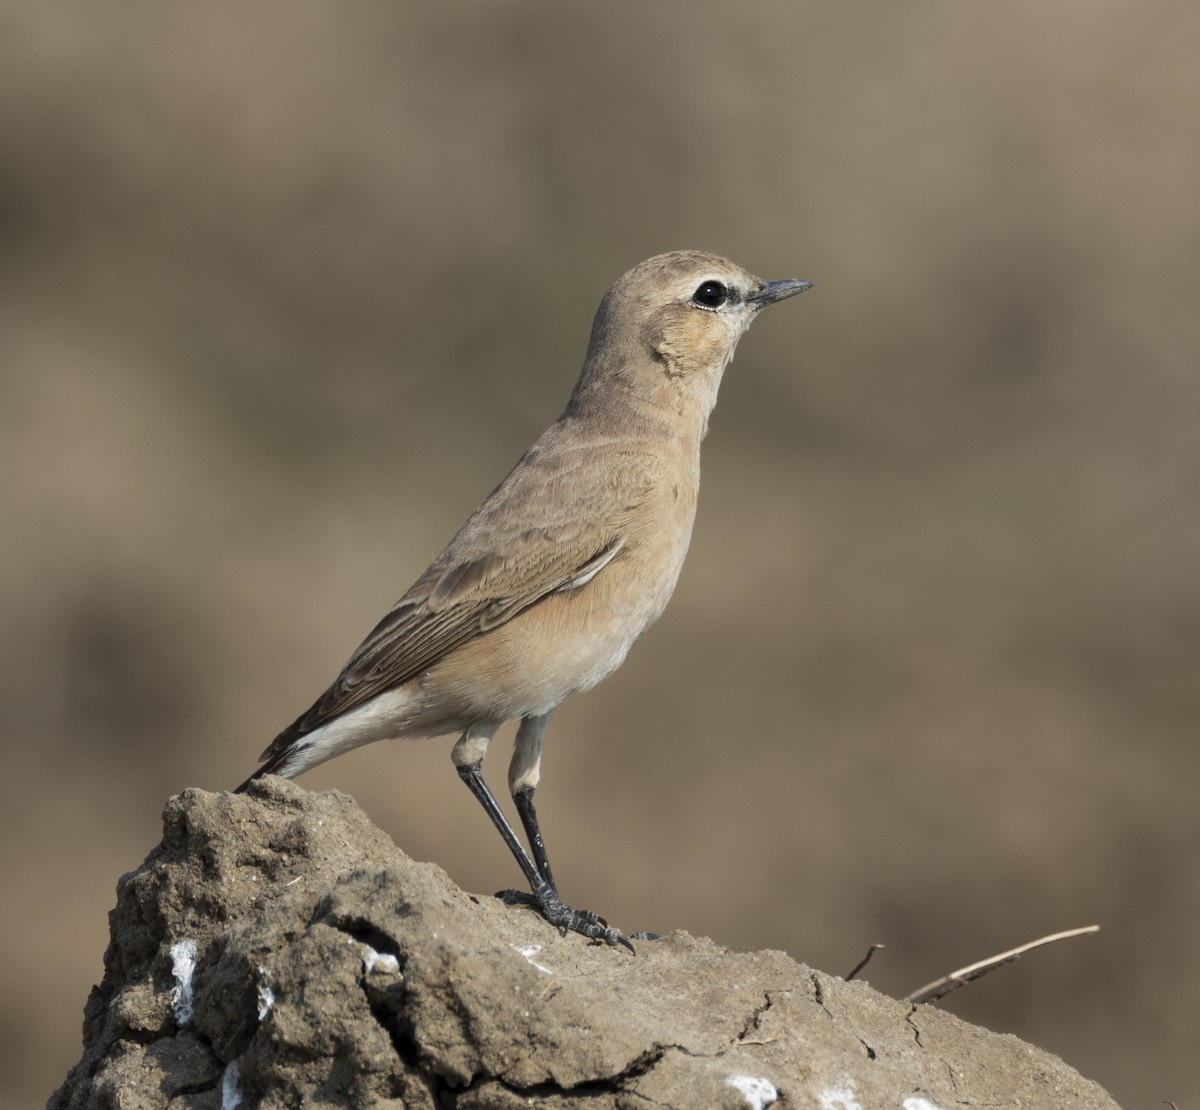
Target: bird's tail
272, 766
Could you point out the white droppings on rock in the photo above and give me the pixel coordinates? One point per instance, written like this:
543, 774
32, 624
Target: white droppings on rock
231, 1087
529, 951
841, 1096
384, 962
183, 967
758, 1091
266, 996
916, 1102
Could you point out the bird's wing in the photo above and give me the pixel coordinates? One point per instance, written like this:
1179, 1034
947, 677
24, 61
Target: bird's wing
521, 545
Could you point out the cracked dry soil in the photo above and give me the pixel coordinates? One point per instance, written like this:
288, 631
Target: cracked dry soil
332, 970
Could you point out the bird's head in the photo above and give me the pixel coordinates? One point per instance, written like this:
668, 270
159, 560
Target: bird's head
668, 328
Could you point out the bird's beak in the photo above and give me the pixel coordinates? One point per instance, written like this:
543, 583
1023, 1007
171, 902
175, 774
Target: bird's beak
773, 291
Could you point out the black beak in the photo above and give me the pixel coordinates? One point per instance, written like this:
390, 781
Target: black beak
773, 291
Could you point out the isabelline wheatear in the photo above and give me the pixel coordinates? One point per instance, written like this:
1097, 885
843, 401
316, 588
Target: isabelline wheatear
564, 565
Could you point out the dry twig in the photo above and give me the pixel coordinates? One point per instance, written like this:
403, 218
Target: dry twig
864, 961
939, 988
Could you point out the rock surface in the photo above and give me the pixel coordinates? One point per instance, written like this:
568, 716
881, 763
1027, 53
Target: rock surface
276, 949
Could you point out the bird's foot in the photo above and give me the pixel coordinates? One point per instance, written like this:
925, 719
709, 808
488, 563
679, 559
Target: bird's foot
565, 919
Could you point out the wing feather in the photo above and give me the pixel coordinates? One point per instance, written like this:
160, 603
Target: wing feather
498, 565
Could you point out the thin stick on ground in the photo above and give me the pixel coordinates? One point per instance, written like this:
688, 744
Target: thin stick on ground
939, 988
864, 961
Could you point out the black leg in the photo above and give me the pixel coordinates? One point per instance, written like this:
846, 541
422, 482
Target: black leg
473, 777
548, 902
523, 799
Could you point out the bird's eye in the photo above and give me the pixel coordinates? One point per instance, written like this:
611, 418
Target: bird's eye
711, 294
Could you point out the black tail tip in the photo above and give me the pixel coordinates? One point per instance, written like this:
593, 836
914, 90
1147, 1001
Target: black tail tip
243, 788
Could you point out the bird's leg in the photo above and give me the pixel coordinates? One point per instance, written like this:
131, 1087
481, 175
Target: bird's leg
523, 799
468, 755
524, 773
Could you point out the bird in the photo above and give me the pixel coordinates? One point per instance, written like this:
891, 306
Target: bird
562, 567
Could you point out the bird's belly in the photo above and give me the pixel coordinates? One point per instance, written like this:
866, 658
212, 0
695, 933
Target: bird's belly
565, 643
525, 667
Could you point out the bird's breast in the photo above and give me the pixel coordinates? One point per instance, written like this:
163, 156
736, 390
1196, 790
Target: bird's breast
573, 638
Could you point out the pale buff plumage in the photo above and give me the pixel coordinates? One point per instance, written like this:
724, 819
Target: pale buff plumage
565, 564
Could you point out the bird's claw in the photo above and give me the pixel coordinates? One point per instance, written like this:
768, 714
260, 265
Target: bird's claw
568, 920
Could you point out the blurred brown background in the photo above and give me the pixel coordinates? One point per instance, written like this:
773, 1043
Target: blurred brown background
285, 289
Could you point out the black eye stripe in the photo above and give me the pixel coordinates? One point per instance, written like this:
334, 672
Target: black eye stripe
710, 294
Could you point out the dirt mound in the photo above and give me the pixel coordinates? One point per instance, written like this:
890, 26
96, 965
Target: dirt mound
276, 949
